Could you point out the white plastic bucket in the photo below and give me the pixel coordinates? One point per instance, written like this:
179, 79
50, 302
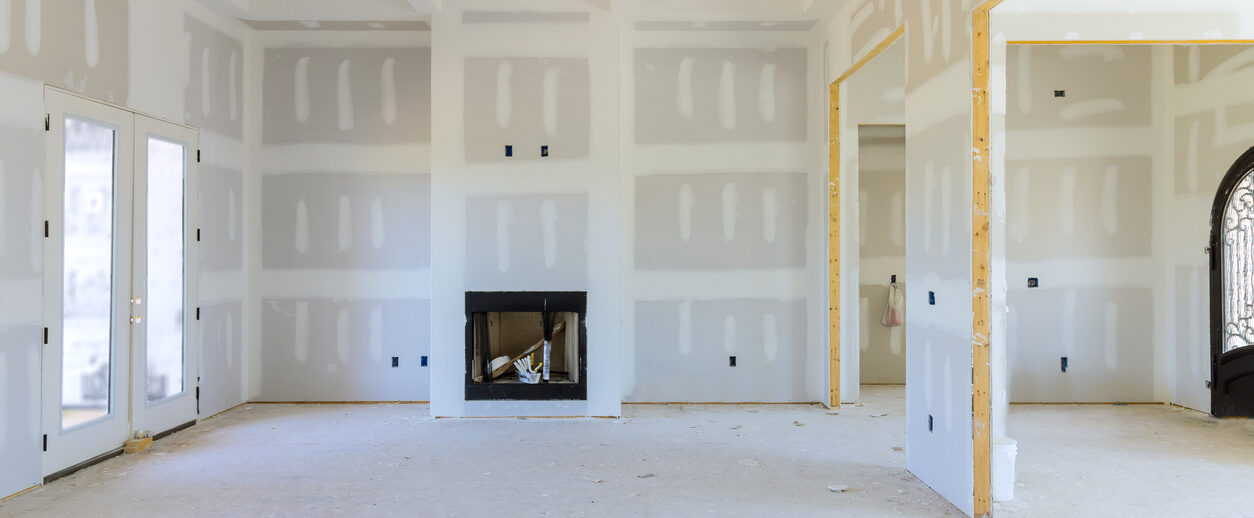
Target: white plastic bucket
1003, 466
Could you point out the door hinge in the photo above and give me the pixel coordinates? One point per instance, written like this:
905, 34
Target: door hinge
46, 228
45, 442
197, 156
47, 122
197, 399
198, 318
197, 235
45, 336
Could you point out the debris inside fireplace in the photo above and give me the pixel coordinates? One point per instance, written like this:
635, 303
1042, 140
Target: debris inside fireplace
532, 344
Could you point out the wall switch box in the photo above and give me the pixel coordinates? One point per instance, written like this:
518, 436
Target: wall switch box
423, 361
1064, 364
544, 150
731, 361
396, 361
509, 150
929, 423
931, 298
1033, 282
1060, 93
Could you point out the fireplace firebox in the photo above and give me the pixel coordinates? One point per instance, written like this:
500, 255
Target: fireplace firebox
526, 345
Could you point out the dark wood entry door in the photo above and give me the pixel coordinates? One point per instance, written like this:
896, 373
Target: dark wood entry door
1232, 292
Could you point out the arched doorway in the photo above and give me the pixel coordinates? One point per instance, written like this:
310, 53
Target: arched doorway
1232, 292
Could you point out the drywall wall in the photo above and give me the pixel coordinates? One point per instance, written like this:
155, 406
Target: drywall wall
1211, 128
1182, 365
939, 337
345, 216
119, 52
525, 222
215, 101
1081, 144
723, 213
881, 249
21, 264
874, 96
77, 46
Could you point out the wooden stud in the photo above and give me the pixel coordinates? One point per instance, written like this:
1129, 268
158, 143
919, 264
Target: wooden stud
20, 493
981, 259
137, 445
833, 245
833, 214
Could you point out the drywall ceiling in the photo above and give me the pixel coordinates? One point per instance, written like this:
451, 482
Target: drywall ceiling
1115, 6
323, 9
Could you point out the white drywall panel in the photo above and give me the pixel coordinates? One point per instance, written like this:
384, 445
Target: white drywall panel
1193, 111
583, 185
21, 264
724, 214
344, 268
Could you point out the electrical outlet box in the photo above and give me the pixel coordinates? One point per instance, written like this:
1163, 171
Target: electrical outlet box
509, 150
424, 361
929, 423
544, 151
1064, 364
1060, 93
396, 361
1033, 282
931, 298
731, 361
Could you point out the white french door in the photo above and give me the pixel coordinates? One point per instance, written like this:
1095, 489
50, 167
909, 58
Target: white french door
165, 372
119, 355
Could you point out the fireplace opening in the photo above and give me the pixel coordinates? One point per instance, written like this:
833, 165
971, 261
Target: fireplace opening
526, 346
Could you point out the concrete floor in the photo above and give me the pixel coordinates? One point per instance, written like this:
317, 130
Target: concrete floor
734, 460
1133, 460
381, 460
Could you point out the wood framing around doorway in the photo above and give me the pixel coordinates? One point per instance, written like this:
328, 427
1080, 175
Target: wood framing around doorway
833, 214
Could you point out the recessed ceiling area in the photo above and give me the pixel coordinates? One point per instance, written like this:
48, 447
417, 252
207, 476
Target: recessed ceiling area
337, 25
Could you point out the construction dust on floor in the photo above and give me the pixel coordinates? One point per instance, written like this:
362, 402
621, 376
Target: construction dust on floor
394, 460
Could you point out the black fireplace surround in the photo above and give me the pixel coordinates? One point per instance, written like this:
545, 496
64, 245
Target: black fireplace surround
545, 303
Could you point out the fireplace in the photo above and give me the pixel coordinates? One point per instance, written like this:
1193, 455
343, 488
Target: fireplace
526, 345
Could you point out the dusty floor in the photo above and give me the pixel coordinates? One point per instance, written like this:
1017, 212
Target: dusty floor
1133, 460
380, 460
373, 460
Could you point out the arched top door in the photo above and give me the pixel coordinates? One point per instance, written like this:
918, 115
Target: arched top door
1232, 292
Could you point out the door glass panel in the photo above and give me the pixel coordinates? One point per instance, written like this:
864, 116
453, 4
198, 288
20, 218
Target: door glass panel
164, 306
87, 287
1238, 266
